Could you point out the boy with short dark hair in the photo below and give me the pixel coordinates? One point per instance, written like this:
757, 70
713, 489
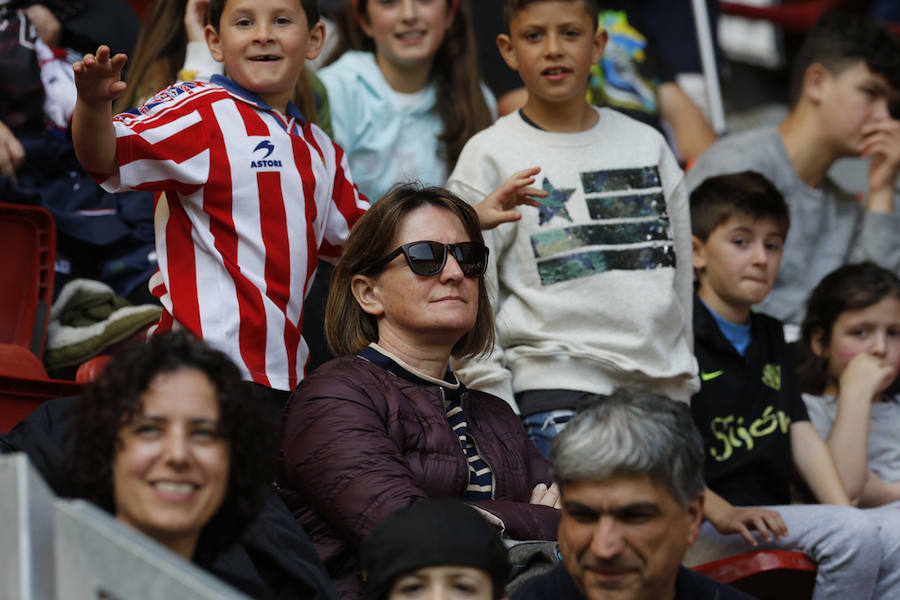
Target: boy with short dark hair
592, 289
740, 222
248, 192
750, 413
512, 7
844, 94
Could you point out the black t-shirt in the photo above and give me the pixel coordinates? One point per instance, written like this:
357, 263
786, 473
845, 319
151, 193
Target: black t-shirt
744, 410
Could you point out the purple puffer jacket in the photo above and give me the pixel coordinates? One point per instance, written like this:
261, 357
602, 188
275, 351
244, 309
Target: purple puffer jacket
360, 442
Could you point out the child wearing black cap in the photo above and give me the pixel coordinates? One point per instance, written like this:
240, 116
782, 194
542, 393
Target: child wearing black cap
435, 548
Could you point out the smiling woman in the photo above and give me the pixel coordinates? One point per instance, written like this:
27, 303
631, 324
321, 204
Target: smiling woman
156, 440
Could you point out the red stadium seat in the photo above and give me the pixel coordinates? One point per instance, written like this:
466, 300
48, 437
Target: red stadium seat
28, 242
798, 15
765, 574
28, 239
21, 395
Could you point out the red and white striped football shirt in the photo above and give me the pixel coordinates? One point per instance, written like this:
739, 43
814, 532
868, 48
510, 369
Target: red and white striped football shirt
251, 197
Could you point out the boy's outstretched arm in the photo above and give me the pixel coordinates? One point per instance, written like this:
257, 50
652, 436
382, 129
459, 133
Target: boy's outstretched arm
499, 206
727, 518
98, 79
814, 462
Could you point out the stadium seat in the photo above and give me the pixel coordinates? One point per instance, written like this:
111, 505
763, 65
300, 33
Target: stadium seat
28, 241
765, 574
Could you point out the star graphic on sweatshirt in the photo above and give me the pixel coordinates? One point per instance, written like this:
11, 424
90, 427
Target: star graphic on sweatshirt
555, 203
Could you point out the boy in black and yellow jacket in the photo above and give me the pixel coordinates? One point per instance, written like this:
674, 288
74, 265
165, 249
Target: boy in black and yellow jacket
750, 413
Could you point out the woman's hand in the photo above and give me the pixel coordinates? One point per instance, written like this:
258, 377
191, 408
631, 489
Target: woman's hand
545, 496
195, 19
99, 77
499, 206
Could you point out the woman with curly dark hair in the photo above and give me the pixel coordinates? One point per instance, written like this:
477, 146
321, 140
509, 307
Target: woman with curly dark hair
169, 442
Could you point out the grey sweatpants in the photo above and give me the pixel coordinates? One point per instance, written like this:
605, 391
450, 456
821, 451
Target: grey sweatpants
857, 550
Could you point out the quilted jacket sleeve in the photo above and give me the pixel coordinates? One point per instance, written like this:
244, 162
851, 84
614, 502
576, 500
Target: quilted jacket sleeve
518, 467
339, 456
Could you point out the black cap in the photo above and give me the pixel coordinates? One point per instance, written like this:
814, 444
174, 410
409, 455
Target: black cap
430, 533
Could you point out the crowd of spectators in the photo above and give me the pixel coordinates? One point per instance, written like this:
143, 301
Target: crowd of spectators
391, 291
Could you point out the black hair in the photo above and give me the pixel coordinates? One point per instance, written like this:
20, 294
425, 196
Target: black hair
113, 399
512, 7
217, 7
838, 40
748, 193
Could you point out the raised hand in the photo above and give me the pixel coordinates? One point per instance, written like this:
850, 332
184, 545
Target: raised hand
98, 77
499, 206
195, 19
45, 23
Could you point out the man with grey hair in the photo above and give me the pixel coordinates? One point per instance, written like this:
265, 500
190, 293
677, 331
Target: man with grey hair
630, 472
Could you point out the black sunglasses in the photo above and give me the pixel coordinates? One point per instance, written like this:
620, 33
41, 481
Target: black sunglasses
428, 258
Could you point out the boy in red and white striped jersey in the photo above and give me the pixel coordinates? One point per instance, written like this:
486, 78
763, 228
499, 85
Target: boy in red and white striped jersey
249, 194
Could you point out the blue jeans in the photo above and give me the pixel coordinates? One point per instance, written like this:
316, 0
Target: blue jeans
542, 427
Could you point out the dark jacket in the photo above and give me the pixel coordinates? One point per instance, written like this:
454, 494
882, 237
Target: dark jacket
360, 442
744, 410
558, 585
273, 559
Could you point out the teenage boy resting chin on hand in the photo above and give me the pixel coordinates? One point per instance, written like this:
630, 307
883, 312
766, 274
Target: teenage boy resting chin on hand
845, 89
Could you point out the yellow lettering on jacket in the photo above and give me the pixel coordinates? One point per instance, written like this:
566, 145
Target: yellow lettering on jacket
731, 432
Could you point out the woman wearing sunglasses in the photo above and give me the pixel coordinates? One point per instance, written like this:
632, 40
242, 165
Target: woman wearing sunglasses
387, 422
